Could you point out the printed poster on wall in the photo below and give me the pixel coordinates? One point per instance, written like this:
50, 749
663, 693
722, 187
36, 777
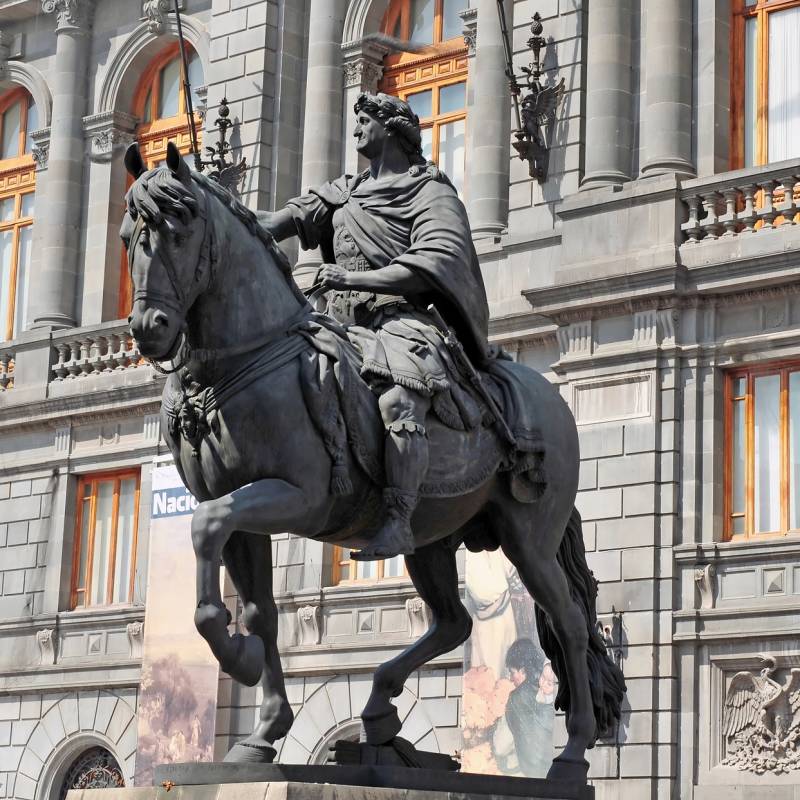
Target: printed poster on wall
509, 685
178, 691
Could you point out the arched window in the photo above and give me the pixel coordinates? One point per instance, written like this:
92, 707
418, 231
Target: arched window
95, 768
433, 82
18, 118
160, 104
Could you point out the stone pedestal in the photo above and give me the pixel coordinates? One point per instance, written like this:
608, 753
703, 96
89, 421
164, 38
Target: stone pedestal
299, 782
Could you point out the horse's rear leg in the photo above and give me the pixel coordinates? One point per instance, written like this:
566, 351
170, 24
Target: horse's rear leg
435, 576
534, 556
248, 559
264, 507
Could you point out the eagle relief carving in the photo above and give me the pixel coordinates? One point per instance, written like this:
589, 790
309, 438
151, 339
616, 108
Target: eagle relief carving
761, 721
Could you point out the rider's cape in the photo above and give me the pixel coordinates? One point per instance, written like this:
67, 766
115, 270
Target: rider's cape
417, 221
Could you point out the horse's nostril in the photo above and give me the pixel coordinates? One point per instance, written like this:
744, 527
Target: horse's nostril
130, 319
160, 318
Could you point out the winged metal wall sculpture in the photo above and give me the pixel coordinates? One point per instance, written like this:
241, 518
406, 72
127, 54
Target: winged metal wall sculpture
762, 721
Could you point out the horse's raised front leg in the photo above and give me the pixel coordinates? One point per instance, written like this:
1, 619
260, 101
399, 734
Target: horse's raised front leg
248, 559
264, 507
435, 576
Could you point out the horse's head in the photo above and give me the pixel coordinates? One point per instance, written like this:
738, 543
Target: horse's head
168, 234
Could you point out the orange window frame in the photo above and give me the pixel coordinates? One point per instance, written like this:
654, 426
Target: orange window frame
405, 74
154, 136
17, 178
760, 11
342, 561
749, 374
87, 491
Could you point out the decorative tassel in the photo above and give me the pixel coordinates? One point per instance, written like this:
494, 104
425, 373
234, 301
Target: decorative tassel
340, 480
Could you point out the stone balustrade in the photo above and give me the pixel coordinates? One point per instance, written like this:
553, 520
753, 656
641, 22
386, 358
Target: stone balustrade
6, 369
742, 202
101, 352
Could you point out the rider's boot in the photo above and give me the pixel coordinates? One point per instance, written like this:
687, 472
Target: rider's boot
406, 464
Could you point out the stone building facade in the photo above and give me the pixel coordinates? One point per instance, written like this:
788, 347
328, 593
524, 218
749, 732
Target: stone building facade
652, 277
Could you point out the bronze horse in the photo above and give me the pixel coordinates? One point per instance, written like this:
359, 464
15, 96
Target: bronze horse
214, 293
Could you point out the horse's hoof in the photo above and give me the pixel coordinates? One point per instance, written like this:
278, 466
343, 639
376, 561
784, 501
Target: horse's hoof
568, 769
249, 661
380, 729
246, 752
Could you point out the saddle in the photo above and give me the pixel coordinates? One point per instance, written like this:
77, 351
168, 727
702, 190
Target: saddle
345, 411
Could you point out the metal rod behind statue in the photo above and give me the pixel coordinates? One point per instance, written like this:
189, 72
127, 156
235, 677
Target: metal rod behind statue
187, 90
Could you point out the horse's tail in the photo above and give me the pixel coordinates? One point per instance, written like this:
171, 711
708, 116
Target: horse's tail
606, 681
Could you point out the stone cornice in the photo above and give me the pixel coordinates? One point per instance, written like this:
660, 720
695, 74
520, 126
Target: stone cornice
71, 15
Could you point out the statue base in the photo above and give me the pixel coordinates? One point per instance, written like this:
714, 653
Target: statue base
296, 782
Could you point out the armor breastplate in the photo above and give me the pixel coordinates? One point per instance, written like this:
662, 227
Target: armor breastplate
347, 306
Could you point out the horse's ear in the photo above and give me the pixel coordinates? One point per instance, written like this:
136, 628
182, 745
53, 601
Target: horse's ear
133, 161
176, 164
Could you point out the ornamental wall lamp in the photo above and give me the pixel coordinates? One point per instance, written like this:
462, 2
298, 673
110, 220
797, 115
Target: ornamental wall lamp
535, 105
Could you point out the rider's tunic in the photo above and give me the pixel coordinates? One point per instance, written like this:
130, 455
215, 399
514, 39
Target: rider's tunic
416, 221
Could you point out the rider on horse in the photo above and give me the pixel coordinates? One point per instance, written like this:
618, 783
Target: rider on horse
395, 239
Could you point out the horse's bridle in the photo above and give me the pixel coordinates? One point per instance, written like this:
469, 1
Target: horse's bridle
180, 302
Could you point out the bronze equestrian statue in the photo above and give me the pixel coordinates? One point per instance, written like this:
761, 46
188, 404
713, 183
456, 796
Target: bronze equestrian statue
277, 416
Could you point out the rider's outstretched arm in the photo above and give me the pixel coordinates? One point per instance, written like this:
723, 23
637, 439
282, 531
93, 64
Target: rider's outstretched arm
279, 223
391, 279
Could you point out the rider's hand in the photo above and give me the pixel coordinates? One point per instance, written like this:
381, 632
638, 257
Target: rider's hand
332, 276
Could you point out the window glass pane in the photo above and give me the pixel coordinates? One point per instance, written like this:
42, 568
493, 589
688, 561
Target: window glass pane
422, 21
738, 458
83, 554
453, 25
739, 387
750, 92
33, 125
125, 534
427, 143
794, 450
170, 89
102, 541
366, 569
393, 567
147, 112
7, 206
767, 487
9, 147
26, 209
421, 103
196, 78
451, 152
784, 84
6, 262
23, 279
452, 98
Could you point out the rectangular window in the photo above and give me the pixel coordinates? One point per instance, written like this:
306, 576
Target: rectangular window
16, 229
762, 434
347, 571
104, 559
766, 84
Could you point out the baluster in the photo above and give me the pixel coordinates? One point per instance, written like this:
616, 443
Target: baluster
710, 222
60, 368
692, 228
73, 365
85, 364
729, 219
748, 216
788, 206
5, 371
96, 352
109, 358
767, 212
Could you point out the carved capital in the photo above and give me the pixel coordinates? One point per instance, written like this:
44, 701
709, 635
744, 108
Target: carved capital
135, 631
45, 638
73, 15
41, 148
363, 73
108, 133
419, 617
309, 632
470, 31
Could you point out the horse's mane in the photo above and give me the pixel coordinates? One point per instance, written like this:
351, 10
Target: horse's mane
159, 191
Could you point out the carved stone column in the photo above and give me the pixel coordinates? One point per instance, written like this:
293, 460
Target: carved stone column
667, 134
322, 133
489, 124
59, 213
363, 70
608, 94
